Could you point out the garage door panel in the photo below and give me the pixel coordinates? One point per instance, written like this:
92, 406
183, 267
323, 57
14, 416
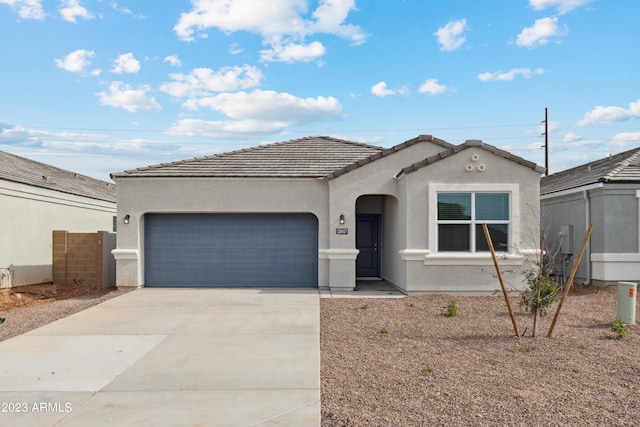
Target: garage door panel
231, 250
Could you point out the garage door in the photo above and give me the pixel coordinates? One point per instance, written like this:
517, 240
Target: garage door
231, 250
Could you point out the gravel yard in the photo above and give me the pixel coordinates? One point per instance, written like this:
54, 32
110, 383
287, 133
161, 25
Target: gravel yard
432, 370
29, 307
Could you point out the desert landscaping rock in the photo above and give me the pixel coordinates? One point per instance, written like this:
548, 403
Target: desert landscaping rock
28, 307
471, 370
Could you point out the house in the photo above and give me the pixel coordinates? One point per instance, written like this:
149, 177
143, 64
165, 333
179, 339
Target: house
605, 193
35, 200
326, 212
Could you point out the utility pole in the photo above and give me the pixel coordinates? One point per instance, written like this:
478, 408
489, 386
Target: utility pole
546, 142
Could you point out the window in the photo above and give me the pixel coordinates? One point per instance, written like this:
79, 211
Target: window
460, 219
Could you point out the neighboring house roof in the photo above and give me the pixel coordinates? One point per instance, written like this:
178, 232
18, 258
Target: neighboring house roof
24, 171
621, 168
469, 144
310, 157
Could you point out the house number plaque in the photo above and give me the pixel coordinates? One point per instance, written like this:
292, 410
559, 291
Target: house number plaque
342, 231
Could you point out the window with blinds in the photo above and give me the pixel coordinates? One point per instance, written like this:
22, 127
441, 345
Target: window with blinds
460, 219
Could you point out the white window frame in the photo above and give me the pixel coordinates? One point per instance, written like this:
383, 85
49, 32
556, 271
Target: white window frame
473, 258
473, 222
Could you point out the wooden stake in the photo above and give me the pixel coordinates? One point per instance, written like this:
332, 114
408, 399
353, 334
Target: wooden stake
570, 280
504, 289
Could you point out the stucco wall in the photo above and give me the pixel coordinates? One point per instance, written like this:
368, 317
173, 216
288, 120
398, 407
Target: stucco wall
567, 209
613, 252
30, 214
377, 178
620, 222
461, 273
139, 196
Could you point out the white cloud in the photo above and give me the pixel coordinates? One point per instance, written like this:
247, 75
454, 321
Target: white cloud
432, 87
71, 10
293, 52
77, 61
235, 49
626, 139
115, 6
173, 60
125, 63
271, 106
329, 18
563, 6
527, 73
266, 18
610, 114
451, 36
380, 89
27, 9
540, 33
121, 95
279, 22
571, 137
224, 129
551, 127
204, 81
257, 113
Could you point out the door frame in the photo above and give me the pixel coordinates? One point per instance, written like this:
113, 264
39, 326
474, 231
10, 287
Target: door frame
378, 230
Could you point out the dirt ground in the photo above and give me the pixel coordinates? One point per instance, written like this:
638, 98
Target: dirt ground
27, 296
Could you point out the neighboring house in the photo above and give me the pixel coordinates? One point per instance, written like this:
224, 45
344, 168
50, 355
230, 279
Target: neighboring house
606, 193
36, 199
325, 212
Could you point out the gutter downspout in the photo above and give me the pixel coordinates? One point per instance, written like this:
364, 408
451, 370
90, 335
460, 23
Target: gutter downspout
587, 216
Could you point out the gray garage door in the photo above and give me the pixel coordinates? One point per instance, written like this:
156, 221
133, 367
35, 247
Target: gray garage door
231, 250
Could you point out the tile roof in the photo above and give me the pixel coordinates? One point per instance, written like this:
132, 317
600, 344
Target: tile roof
24, 171
310, 157
622, 167
468, 144
386, 152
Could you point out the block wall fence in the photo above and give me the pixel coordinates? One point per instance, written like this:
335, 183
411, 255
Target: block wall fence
84, 259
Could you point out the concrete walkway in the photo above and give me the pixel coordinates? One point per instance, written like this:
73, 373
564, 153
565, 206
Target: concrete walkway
170, 357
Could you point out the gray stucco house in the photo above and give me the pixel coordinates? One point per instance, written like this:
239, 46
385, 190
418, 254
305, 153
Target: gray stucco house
606, 193
35, 199
324, 212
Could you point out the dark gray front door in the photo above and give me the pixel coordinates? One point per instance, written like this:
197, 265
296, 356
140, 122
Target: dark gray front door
368, 243
220, 250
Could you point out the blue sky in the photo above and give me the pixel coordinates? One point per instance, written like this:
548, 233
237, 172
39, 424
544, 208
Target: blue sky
100, 86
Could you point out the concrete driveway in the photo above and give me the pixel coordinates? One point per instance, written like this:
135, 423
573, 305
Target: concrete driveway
170, 357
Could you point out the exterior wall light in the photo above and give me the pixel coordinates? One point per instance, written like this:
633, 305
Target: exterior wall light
341, 219
126, 218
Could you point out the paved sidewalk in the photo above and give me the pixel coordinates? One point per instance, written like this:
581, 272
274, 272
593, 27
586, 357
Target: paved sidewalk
170, 357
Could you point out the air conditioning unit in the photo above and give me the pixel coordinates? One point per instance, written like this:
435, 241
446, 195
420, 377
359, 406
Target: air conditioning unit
6, 278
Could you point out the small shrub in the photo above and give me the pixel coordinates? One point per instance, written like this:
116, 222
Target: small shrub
524, 348
2, 319
620, 329
452, 308
384, 331
429, 368
547, 289
364, 306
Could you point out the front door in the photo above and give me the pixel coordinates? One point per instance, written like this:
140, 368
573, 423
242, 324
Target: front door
368, 243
